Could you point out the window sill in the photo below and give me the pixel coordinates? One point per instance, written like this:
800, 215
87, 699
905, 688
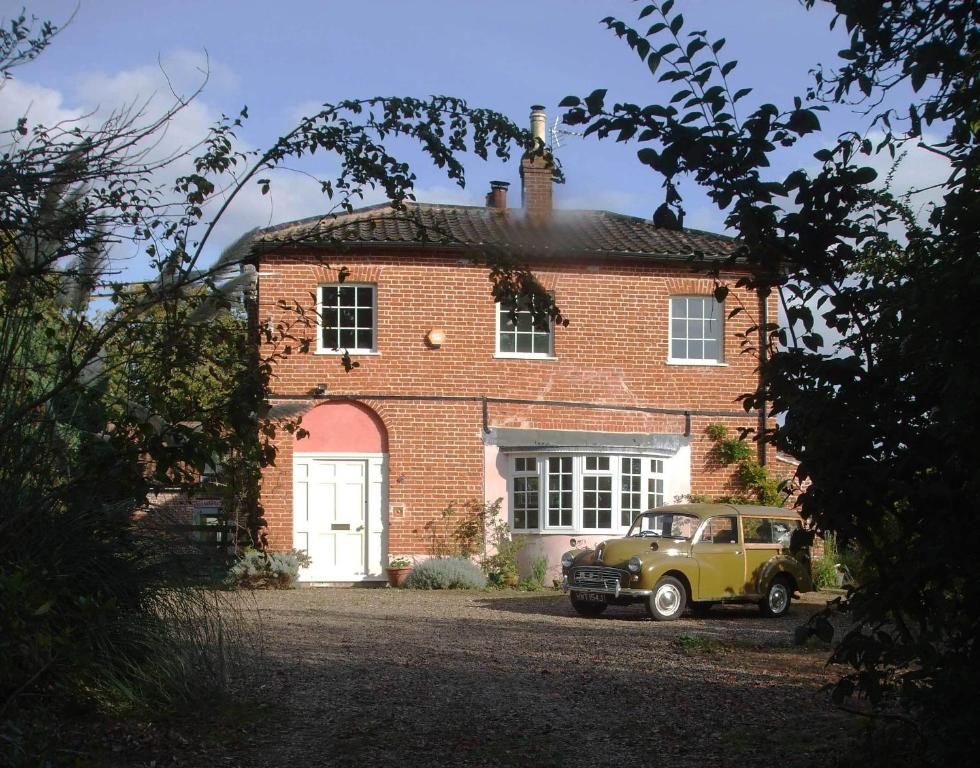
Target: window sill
519, 356
351, 352
701, 363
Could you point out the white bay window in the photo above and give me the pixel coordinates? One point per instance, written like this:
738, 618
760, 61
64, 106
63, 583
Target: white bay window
592, 492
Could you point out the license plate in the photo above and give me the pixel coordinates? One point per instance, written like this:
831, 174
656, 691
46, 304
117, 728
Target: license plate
593, 597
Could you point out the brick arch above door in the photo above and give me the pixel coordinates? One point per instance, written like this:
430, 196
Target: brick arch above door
342, 426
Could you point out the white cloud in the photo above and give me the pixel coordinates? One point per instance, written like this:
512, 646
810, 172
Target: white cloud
19, 98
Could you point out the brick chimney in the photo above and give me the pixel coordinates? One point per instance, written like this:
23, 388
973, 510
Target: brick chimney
536, 173
497, 196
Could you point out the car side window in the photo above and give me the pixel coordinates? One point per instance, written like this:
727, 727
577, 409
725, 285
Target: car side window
764, 530
720, 530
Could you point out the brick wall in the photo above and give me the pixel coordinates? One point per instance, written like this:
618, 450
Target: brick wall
614, 351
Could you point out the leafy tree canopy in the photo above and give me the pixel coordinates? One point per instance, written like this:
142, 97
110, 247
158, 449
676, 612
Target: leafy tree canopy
884, 424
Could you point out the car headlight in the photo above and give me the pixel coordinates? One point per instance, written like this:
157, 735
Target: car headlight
567, 559
634, 564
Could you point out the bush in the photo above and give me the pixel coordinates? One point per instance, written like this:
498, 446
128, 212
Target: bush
267, 570
825, 567
446, 573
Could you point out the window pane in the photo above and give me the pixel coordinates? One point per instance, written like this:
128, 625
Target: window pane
756, 530
507, 342
364, 339
590, 462
560, 491
346, 338
347, 318
678, 349
711, 350
365, 317
365, 296
695, 349
330, 296
604, 463
524, 343
678, 307
541, 344
347, 296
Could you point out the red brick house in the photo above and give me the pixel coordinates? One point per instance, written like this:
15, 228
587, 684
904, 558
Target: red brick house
577, 428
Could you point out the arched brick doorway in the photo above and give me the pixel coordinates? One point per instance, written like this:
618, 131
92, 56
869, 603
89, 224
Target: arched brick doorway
339, 492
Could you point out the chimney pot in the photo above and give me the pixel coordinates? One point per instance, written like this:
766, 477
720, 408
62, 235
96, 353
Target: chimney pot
537, 172
538, 122
497, 197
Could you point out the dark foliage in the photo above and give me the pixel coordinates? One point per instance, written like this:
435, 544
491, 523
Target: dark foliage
883, 420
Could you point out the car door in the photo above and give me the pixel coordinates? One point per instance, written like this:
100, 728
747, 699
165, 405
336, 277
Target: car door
720, 558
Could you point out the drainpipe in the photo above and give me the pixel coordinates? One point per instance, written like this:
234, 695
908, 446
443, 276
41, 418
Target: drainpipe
763, 359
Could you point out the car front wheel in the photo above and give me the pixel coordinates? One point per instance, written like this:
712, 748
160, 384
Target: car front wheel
668, 599
777, 599
583, 608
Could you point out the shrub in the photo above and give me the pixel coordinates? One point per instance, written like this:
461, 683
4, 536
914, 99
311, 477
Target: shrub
446, 573
825, 567
267, 570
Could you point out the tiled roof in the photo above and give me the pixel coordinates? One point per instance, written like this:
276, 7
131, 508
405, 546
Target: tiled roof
584, 233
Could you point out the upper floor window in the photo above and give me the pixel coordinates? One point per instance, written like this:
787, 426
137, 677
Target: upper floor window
518, 336
696, 330
348, 318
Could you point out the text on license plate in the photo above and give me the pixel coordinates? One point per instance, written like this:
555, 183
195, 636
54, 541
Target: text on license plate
593, 597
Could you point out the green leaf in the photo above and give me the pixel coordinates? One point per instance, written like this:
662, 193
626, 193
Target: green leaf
648, 156
677, 23
595, 100
570, 101
647, 11
865, 175
653, 61
667, 5
741, 93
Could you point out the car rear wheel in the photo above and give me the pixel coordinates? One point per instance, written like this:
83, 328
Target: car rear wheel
777, 599
587, 608
668, 600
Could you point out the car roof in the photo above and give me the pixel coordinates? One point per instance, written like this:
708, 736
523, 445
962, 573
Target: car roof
744, 510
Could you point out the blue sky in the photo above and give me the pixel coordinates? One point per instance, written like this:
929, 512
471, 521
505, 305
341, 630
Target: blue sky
282, 59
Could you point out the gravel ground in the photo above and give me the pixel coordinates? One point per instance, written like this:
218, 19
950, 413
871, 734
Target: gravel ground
372, 677
369, 677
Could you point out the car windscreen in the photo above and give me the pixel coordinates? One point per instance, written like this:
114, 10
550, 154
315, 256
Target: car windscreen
671, 525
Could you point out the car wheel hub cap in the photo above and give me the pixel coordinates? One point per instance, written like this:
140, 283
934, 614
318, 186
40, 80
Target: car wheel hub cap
777, 598
668, 599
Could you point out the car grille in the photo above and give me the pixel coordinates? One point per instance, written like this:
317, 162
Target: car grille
597, 578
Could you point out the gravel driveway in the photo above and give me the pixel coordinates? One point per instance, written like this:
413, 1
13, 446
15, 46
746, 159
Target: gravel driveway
378, 676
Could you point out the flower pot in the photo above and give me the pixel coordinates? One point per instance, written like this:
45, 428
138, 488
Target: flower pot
397, 576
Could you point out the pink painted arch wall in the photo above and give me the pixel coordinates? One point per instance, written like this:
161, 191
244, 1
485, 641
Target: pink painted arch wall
342, 426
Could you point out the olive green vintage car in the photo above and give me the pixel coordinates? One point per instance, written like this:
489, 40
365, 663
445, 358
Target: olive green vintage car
694, 555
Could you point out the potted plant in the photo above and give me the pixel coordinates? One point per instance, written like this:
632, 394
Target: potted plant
398, 570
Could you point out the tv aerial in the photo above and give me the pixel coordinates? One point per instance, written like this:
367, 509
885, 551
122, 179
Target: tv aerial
557, 132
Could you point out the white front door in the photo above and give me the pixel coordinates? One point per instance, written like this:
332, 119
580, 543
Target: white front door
330, 519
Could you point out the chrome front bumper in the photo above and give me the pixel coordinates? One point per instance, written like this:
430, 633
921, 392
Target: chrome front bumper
615, 591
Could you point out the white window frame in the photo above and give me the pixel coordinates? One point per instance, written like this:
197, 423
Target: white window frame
579, 472
720, 361
546, 492
512, 489
549, 355
323, 350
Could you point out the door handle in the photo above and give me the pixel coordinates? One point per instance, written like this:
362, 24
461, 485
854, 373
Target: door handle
738, 551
